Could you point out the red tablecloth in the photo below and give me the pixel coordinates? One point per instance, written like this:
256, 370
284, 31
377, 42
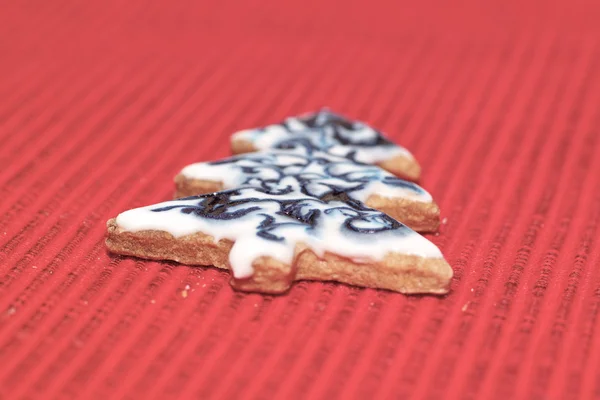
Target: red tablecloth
102, 102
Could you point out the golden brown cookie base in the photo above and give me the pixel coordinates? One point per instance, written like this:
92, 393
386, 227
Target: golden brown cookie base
417, 215
403, 166
185, 187
241, 146
398, 272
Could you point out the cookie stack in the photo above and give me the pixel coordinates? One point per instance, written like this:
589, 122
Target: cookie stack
316, 197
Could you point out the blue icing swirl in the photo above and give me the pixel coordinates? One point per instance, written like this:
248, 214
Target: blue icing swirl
326, 131
295, 194
316, 174
276, 210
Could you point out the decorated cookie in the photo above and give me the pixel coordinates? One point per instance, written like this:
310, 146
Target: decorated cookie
274, 235
320, 175
308, 207
334, 134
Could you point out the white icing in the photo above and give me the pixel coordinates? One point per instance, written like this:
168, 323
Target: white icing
372, 156
375, 236
328, 132
360, 181
310, 192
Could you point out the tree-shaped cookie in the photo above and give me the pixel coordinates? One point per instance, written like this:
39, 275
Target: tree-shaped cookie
321, 175
299, 213
335, 134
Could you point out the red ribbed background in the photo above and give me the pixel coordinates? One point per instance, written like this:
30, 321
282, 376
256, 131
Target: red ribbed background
102, 102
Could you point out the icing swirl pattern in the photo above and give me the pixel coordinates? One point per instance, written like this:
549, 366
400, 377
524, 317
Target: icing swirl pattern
325, 131
270, 221
309, 189
318, 174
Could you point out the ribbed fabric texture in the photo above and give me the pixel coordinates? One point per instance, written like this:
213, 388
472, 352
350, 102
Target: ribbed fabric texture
103, 102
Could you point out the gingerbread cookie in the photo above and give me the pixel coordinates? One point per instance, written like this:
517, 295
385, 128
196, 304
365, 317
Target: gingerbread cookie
334, 134
276, 234
320, 175
308, 207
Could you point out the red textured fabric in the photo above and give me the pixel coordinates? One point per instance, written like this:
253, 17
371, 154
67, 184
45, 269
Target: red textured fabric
102, 102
